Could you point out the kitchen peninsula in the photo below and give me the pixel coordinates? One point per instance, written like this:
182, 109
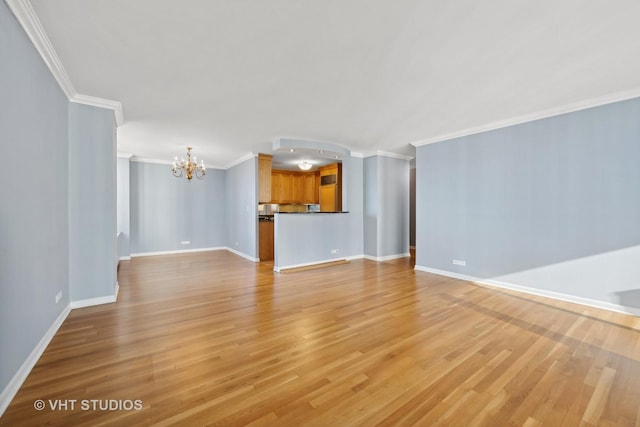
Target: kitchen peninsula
300, 215
303, 239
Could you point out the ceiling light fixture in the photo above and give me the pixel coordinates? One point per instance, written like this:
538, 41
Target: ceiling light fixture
305, 166
188, 168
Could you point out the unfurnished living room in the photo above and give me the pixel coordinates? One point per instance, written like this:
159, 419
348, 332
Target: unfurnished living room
323, 213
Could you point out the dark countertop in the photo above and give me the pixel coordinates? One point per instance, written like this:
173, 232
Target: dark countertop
310, 213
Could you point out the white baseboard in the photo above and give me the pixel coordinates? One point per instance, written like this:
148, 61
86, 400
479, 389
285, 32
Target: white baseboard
445, 273
386, 257
125, 258
348, 258
243, 255
97, 301
16, 382
186, 251
534, 291
307, 264
180, 251
93, 301
18, 379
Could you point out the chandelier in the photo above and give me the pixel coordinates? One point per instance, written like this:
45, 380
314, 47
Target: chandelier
188, 168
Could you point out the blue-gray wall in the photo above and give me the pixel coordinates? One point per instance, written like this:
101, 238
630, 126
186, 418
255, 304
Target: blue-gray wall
34, 259
412, 206
552, 204
92, 202
123, 206
166, 210
370, 202
393, 206
242, 208
354, 181
386, 206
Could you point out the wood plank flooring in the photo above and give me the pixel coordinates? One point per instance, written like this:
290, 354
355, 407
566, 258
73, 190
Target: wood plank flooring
213, 339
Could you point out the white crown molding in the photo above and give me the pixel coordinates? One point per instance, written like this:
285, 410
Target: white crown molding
162, 162
150, 160
27, 18
240, 160
358, 155
116, 106
393, 155
386, 154
565, 109
124, 155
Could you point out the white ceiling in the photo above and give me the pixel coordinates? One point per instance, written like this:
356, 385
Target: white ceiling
229, 76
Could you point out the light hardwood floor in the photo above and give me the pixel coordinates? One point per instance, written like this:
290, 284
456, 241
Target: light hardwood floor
210, 338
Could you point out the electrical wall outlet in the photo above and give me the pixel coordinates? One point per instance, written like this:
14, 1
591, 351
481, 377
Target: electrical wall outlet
459, 262
185, 242
335, 251
58, 296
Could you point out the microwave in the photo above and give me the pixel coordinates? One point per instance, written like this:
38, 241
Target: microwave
328, 179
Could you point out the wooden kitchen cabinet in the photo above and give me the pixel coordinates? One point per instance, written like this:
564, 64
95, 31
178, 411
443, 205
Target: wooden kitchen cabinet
328, 202
297, 188
331, 188
281, 187
286, 188
264, 178
275, 187
265, 238
294, 187
310, 188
